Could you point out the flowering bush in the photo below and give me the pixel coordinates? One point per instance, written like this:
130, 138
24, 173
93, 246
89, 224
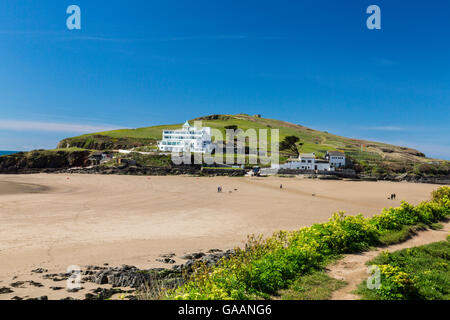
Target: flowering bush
395, 284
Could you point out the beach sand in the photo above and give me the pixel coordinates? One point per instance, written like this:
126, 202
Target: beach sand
52, 221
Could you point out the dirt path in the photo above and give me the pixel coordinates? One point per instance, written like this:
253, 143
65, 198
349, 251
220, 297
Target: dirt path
353, 269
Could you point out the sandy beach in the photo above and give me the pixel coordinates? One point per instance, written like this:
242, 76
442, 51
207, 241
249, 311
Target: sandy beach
53, 221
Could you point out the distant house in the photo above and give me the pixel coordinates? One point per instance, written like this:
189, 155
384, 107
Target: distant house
336, 158
307, 161
97, 158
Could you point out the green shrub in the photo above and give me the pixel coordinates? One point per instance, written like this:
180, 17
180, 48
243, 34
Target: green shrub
396, 284
441, 194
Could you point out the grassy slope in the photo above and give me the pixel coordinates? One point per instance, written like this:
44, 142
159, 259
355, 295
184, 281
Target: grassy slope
428, 265
314, 286
314, 141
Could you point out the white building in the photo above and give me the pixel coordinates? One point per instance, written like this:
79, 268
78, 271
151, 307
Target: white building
187, 139
336, 158
307, 161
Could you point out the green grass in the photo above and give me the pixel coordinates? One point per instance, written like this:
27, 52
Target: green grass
389, 237
428, 268
317, 285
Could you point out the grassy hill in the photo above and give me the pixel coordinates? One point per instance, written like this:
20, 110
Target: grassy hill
314, 141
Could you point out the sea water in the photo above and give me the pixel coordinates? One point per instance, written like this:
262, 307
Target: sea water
4, 153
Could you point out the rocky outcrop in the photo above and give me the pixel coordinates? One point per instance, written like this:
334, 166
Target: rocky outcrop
224, 172
210, 259
24, 167
39, 160
128, 276
435, 179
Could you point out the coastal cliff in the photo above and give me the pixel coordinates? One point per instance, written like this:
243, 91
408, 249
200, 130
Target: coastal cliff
43, 159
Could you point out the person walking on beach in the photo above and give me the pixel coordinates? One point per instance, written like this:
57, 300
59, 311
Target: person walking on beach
219, 189
281, 186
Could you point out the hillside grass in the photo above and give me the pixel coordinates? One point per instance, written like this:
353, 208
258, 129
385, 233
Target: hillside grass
265, 266
416, 273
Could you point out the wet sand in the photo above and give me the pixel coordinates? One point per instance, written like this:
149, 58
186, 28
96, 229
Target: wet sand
53, 221
10, 187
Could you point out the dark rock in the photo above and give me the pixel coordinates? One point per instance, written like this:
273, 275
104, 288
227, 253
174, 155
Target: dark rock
189, 264
90, 296
103, 293
101, 279
36, 284
193, 256
5, 290
39, 270
56, 277
20, 284
178, 267
56, 288
166, 260
39, 298
198, 255
214, 251
17, 284
59, 279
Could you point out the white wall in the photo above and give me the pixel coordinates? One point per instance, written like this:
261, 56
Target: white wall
337, 161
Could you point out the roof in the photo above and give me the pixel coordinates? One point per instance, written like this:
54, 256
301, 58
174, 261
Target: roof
336, 153
307, 155
186, 124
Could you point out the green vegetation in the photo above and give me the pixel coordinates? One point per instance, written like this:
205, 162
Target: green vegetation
388, 237
416, 273
316, 285
152, 160
290, 143
45, 159
266, 266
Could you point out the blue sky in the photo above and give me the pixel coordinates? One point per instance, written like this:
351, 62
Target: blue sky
142, 63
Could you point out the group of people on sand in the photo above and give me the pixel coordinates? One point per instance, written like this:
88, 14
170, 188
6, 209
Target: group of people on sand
219, 189
392, 196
